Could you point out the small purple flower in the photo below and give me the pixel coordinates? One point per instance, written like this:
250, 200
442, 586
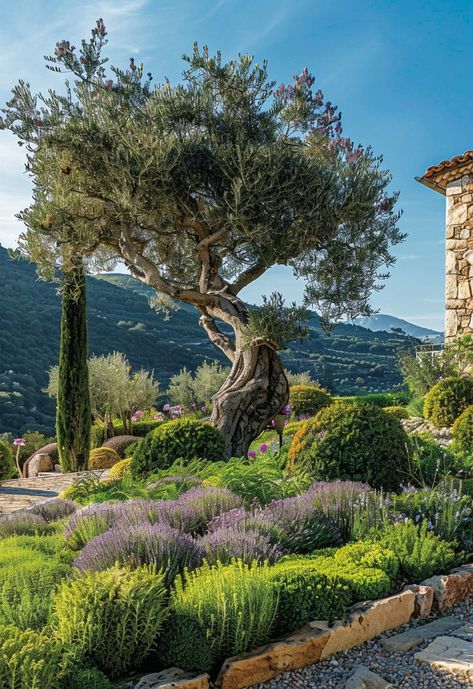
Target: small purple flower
166, 407
19, 442
273, 423
137, 415
158, 417
263, 448
251, 454
203, 409
287, 409
193, 405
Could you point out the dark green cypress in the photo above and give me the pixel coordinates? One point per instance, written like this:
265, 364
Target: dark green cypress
73, 412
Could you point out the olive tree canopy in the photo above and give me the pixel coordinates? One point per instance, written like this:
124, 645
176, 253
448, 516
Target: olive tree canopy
201, 187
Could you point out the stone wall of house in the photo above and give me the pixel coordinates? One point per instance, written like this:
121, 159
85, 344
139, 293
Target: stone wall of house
459, 258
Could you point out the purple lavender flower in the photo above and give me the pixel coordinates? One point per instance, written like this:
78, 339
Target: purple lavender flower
225, 544
132, 546
53, 510
305, 526
91, 521
193, 510
22, 523
339, 500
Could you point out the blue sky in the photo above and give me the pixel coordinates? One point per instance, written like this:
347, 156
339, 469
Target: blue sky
400, 72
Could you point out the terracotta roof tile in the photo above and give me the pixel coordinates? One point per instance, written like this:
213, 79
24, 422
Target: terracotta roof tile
433, 170
437, 177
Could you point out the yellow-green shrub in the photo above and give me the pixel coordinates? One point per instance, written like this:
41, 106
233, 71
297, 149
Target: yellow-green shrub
291, 428
397, 411
103, 458
308, 399
112, 617
7, 465
462, 431
121, 469
444, 403
29, 660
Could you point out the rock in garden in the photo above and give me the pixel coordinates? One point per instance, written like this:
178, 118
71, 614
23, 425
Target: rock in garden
173, 678
417, 635
38, 463
450, 654
451, 588
363, 678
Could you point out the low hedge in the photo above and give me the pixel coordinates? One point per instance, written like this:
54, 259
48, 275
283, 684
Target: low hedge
305, 593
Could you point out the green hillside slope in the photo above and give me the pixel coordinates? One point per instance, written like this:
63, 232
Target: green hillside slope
350, 361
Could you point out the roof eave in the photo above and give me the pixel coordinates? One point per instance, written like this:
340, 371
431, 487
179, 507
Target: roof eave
432, 184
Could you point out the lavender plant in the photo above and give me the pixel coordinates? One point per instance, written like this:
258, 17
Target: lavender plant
193, 510
22, 523
339, 501
54, 510
146, 544
248, 545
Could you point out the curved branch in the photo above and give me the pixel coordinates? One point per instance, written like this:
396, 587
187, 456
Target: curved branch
216, 336
248, 276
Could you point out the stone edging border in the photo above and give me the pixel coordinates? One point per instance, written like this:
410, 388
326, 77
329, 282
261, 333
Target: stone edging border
317, 641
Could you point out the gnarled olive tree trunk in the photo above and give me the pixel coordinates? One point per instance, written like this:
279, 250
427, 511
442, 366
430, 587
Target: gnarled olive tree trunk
254, 392
256, 388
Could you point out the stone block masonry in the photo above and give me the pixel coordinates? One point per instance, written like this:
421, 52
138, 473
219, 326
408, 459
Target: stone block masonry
459, 258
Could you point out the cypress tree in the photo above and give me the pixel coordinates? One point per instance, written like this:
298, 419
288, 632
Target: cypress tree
73, 411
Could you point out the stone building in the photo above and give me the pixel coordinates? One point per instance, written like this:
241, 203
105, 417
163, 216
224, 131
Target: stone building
454, 179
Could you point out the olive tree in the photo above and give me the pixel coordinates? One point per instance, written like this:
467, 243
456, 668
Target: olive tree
200, 187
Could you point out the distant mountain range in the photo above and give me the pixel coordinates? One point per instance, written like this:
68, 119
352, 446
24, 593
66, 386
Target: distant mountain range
349, 360
382, 321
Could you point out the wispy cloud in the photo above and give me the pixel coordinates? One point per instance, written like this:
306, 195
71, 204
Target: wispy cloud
409, 257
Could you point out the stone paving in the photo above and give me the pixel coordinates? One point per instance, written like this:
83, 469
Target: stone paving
17, 494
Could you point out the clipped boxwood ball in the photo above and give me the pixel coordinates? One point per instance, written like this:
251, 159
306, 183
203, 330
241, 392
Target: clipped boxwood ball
121, 469
352, 442
462, 432
308, 399
444, 403
179, 439
103, 458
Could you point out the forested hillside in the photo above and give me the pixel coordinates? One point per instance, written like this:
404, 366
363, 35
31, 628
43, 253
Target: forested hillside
351, 360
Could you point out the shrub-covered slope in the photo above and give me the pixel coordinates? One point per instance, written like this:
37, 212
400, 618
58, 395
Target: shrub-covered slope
349, 361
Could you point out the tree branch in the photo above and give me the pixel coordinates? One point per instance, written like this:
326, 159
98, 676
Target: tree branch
248, 276
216, 336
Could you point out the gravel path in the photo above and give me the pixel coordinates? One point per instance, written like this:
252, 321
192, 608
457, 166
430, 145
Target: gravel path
399, 668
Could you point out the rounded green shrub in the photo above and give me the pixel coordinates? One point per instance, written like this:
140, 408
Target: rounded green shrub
179, 439
306, 594
397, 411
307, 400
103, 458
352, 442
369, 555
445, 402
462, 432
112, 617
121, 469
29, 659
7, 463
